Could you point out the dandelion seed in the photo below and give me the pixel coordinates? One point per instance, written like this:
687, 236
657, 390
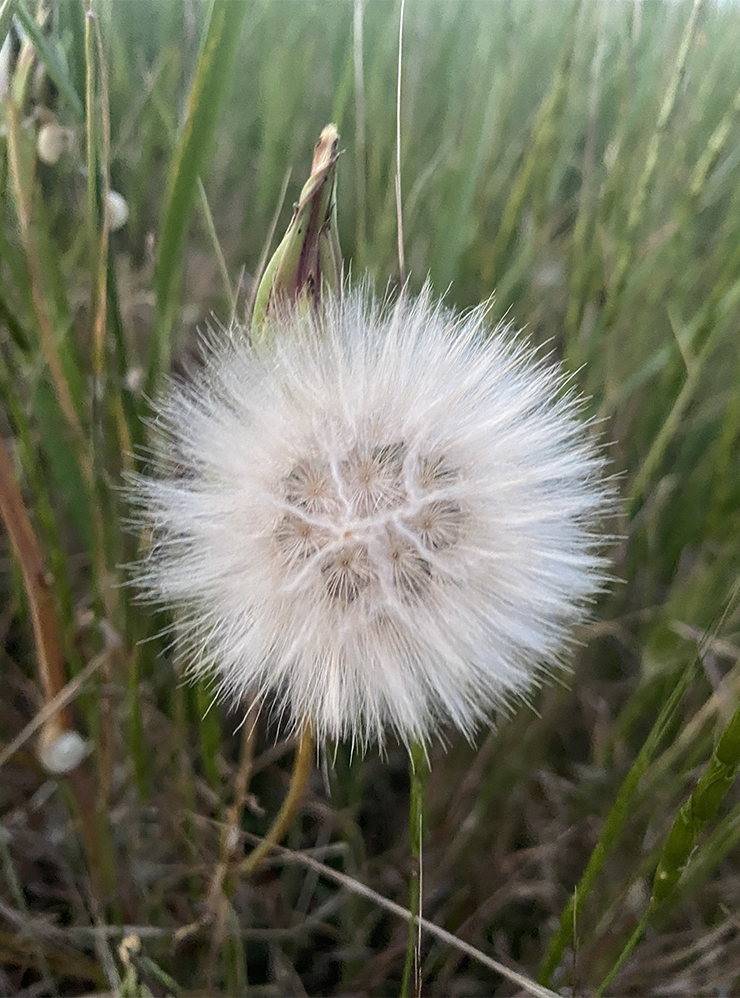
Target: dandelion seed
381, 518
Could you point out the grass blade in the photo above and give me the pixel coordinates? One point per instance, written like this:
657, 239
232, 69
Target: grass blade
7, 9
210, 85
613, 825
697, 811
49, 58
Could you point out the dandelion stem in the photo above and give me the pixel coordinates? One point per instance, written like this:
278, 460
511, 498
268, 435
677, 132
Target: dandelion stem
419, 772
286, 814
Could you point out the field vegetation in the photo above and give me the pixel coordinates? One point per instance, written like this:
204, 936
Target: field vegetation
579, 159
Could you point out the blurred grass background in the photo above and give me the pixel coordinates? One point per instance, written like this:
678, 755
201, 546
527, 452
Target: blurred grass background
580, 159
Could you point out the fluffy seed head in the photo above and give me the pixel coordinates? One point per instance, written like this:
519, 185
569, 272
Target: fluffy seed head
382, 520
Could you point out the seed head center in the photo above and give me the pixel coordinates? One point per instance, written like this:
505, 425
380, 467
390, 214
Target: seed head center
387, 550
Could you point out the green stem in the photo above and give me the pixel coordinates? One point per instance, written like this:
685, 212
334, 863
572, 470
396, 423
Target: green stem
419, 773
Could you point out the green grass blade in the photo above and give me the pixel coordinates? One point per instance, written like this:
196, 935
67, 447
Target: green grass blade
640, 198
209, 726
697, 811
49, 58
615, 822
624, 955
714, 328
722, 841
15, 327
212, 80
540, 149
7, 9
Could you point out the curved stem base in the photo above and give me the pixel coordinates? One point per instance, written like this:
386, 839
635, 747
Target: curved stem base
284, 819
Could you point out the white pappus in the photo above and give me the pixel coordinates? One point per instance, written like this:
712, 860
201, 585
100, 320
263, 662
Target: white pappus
380, 520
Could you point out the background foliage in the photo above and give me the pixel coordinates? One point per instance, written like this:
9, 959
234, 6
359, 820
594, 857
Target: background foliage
583, 161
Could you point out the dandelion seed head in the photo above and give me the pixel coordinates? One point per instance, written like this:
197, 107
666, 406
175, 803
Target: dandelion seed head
383, 519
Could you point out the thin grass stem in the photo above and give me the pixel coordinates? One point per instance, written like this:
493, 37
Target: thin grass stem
624, 955
399, 201
356, 887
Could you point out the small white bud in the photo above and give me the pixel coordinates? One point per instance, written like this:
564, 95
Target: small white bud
117, 211
61, 751
52, 142
135, 379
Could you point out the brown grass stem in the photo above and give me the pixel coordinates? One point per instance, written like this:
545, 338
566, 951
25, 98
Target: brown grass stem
22, 192
38, 586
57, 720
230, 840
301, 770
22, 184
65, 696
356, 887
